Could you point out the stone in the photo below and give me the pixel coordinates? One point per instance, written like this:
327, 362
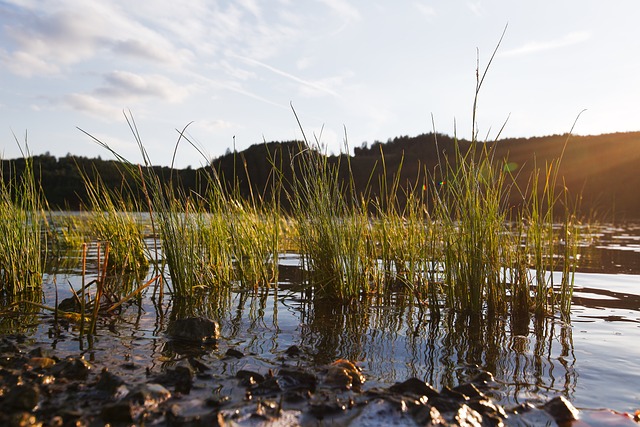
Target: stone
150, 394
561, 409
344, 374
416, 387
194, 329
22, 397
108, 382
118, 412
72, 368
233, 353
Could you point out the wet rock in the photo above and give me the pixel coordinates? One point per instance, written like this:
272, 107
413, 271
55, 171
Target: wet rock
118, 412
22, 397
470, 390
269, 387
217, 401
293, 351
198, 365
194, 329
344, 374
427, 415
72, 368
561, 410
22, 419
484, 380
39, 352
451, 394
249, 378
325, 403
415, 387
149, 395
71, 305
465, 416
486, 408
187, 414
180, 377
233, 353
108, 382
9, 347
296, 379
41, 362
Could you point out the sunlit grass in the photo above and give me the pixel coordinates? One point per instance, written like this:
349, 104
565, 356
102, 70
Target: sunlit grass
113, 220
22, 236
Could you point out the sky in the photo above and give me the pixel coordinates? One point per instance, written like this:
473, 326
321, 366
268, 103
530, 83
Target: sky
234, 72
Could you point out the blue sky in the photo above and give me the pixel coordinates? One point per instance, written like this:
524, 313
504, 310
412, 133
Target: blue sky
370, 70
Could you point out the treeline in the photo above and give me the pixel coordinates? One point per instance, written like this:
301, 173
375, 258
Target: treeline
600, 170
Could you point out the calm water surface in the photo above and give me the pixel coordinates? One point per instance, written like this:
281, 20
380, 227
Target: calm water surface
593, 359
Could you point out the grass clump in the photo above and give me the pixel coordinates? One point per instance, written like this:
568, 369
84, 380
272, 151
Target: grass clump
332, 227
22, 240
113, 220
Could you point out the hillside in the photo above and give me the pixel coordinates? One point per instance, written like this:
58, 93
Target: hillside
602, 169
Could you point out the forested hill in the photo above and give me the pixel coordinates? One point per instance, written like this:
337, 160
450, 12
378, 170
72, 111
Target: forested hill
604, 169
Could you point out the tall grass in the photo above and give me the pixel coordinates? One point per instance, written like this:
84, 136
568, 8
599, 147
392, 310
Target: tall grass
22, 237
333, 226
113, 220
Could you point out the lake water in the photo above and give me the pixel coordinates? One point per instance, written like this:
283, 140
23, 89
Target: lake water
593, 359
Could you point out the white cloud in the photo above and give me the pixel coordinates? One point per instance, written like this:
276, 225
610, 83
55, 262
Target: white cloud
426, 10
343, 9
125, 85
93, 106
535, 46
214, 124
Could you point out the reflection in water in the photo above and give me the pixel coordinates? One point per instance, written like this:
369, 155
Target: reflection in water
390, 337
531, 356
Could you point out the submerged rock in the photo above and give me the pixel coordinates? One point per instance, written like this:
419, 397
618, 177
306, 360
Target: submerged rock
150, 395
414, 386
22, 397
344, 374
561, 410
72, 368
194, 330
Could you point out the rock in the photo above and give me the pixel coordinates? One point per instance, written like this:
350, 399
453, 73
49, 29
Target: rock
119, 412
415, 387
108, 382
295, 379
484, 380
249, 378
41, 362
23, 419
71, 305
180, 378
470, 390
233, 353
293, 351
150, 394
194, 329
327, 403
561, 409
427, 415
344, 374
191, 413
72, 368
22, 397
465, 416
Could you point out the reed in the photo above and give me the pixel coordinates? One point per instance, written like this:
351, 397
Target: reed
333, 227
113, 220
23, 241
